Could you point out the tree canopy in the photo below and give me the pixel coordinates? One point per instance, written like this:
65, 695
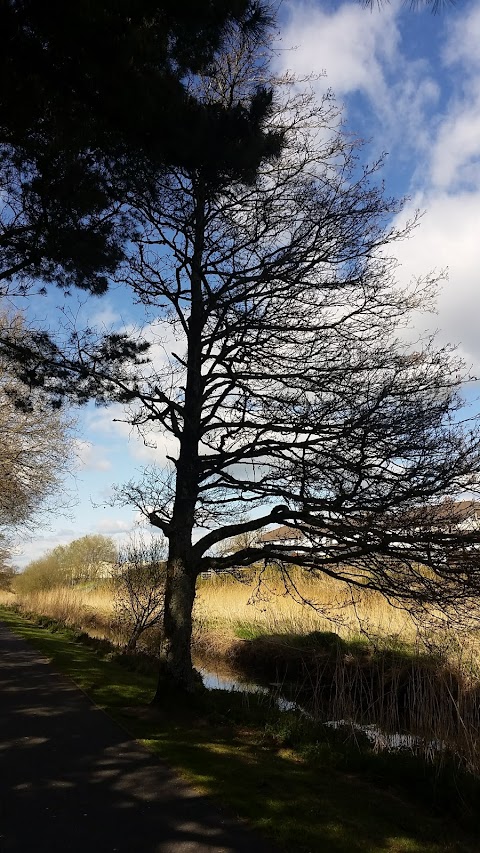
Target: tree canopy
89, 558
7, 572
36, 445
90, 93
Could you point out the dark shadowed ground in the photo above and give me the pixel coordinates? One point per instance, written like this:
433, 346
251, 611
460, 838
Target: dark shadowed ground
71, 780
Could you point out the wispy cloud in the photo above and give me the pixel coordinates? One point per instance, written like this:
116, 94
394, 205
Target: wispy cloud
350, 47
422, 103
387, 92
456, 152
91, 457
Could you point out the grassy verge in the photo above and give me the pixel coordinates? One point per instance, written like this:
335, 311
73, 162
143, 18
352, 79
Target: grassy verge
304, 786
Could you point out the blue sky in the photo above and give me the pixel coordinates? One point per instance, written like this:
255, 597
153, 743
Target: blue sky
409, 83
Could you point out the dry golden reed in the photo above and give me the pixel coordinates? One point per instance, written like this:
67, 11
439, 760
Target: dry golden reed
310, 605
227, 608
7, 597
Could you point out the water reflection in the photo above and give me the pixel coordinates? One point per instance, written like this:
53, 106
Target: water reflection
216, 681
394, 742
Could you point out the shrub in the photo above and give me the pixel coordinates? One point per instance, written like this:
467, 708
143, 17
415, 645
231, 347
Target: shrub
139, 589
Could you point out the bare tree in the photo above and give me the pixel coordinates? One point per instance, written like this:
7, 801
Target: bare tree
139, 582
288, 392
7, 572
35, 448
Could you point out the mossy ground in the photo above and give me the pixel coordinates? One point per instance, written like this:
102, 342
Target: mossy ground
305, 787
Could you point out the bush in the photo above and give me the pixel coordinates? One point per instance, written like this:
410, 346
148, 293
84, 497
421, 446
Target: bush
139, 583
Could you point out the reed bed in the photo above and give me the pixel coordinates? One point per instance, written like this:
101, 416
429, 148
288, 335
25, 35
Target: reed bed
6, 597
227, 605
89, 610
226, 609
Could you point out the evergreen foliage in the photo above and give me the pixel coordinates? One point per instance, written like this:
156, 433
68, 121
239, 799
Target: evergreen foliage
88, 92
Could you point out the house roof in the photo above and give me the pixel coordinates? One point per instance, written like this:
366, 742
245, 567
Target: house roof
459, 510
283, 533
447, 513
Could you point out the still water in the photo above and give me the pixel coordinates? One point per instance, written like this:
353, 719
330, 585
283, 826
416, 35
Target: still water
230, 681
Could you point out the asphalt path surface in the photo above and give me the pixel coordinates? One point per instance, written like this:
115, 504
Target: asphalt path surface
72, 781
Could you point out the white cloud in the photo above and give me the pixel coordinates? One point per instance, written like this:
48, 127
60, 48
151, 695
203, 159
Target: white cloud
124, 532
366, 54
456, 154
165, 338
449, 234
348, 45
107, 526
91, 457
463, 40
361, 54
153, 447
27, 550
108, 421
448, 239
106, 316
121, 530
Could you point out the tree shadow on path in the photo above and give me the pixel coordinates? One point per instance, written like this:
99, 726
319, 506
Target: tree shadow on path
73, 781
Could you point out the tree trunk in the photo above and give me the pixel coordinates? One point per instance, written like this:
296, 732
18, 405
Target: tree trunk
177, 668
131, 646
181, 579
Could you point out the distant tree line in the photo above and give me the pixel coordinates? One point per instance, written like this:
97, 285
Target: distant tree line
89, 559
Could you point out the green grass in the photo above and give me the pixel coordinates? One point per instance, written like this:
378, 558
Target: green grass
305, 788
249, 630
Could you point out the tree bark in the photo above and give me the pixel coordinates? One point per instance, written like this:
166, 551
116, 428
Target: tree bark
177, 669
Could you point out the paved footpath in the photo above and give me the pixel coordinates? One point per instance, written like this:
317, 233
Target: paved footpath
71, 780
